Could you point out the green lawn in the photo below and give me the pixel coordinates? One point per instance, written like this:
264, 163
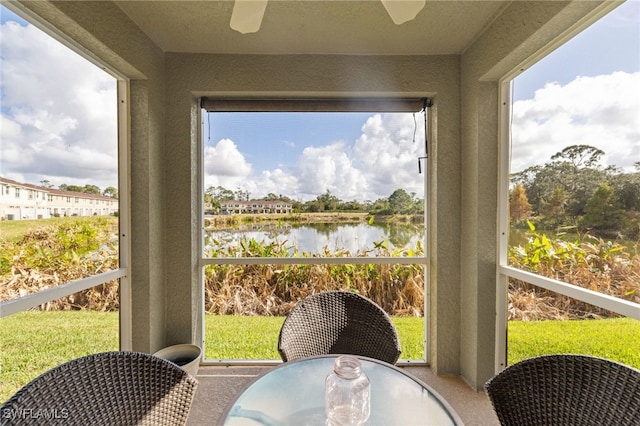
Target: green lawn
255, 337
617, 339
33, 342
13, 230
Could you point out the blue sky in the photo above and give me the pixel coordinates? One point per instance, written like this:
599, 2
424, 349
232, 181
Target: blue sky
611, 44
586, 92
295, 130
583, 93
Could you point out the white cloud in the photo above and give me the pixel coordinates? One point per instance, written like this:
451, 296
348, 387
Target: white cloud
58, 112
381, 160
224, 159
387, 153
276, 182
601, 111
330, 168
59, 124
225, 165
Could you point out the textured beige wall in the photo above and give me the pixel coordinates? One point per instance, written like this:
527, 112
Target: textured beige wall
345, 76
521, 31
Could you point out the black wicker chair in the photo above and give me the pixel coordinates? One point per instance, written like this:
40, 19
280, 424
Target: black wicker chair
109, 388
571, 390
338, 322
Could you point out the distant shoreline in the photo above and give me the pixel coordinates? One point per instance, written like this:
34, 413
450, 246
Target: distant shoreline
213, 221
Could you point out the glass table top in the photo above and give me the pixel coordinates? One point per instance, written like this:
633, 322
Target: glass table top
293, 394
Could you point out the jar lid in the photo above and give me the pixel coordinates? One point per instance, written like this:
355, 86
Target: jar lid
347, 366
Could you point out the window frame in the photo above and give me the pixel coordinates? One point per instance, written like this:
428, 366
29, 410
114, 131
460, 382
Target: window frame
503, 271
121, 274
397, 104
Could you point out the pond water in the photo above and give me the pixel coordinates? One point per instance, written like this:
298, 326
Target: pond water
329, 238
320, 238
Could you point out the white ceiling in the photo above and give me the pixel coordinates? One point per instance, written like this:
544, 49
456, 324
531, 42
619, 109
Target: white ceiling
313, 27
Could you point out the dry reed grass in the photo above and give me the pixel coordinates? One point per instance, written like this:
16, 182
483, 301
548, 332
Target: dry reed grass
52, 256
275, 289
594, 264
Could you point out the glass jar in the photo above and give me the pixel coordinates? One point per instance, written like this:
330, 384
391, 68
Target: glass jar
347, 393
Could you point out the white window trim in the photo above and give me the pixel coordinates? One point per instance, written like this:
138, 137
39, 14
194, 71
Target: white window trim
204, 261
124, 217
24, 303
601, 300
29, 301
504, 271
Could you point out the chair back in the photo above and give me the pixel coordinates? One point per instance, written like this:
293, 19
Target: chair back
574, 390
109, 388
338, 322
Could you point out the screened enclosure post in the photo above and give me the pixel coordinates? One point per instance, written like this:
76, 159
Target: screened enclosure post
124, 218
429, 135
502, 281
200, 334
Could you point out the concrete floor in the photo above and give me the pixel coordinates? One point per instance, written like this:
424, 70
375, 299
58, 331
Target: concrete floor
219, 386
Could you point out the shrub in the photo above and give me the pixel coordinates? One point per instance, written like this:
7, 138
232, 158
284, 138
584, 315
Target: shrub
595, 264
274, 289
55, 255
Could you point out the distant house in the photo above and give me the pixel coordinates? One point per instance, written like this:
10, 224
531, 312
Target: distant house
26, 201
255, 207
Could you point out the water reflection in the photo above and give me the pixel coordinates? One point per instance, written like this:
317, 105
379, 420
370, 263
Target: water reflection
320, 238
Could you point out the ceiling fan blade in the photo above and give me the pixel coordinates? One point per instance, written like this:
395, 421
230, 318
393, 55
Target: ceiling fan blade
247, 15
402, 11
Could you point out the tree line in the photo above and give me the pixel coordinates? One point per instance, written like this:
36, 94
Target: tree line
573, 190
399, 202
109, 191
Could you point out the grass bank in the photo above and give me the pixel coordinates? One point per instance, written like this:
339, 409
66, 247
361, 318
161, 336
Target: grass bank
35, 341
256, 337
613, 338
231, 220
81, 247
53, 252
14, 230
32, 342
